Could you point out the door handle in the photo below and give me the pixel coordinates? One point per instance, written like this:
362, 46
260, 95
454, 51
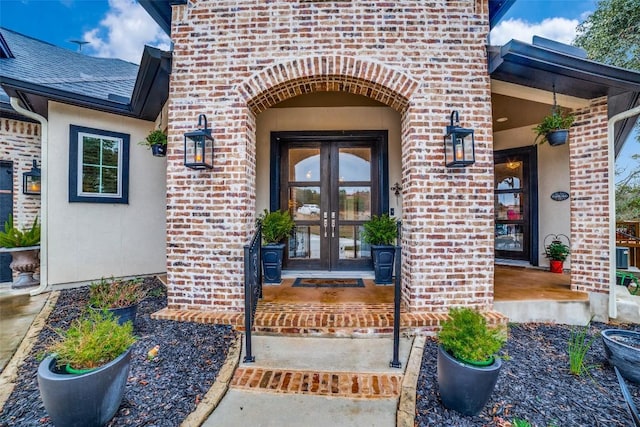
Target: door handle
326, 224
333, 224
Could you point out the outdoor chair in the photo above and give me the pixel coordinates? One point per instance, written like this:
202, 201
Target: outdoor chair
633, 410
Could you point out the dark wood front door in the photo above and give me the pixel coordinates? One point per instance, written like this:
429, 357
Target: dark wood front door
516, 204
331, 184
6, 209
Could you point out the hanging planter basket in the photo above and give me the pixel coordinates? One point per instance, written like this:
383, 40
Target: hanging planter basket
558, 137
159, 150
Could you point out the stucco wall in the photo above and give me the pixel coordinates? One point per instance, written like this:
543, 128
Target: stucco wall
341, 118
553, 175
92, 240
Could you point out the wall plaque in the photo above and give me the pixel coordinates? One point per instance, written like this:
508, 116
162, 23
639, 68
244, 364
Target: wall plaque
559, 196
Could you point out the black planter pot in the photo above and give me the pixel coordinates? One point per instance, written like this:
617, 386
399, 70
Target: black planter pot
558, 137
86, 400
383, 257
272, 262
465, 388
159, 150
623, 351
123, 314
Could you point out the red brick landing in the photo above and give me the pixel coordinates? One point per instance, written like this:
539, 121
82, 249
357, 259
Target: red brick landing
337, 384
344, 320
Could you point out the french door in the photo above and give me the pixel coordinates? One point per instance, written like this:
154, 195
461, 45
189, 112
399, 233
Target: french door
330, 183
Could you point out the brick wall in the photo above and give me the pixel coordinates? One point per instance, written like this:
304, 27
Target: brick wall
233, 59
20, 144
588, 157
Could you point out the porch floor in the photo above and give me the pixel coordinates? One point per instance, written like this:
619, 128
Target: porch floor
368, 311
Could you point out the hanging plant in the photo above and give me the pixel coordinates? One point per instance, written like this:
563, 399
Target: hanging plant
554, 128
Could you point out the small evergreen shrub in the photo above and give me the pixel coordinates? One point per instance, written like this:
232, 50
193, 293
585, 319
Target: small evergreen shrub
380, 230
276, 226
466, 336
115, 293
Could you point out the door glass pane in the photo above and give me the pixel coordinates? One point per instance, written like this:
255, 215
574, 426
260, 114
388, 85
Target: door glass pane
304, 164
305, 203
305, 243
355, 203
508, 175
509, 237
509, 206
354, 164
351, 245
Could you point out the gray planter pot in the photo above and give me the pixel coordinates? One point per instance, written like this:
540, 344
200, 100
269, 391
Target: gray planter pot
623, 351
465, 388
86, 400
123, 314
558, 137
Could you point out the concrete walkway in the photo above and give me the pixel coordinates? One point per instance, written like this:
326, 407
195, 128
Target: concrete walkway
275, 401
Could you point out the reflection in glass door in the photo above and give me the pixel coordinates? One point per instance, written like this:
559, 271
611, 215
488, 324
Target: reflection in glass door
330, 188
513, 205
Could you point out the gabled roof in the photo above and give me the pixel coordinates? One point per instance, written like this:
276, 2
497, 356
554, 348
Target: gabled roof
160, 11
39, 71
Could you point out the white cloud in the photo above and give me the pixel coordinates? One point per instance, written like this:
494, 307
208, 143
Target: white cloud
124, 31
559, 29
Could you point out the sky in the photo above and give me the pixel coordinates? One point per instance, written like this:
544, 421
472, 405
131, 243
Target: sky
121, 28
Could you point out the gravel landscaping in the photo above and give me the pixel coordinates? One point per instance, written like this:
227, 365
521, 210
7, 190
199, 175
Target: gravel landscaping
160, 392
535, 384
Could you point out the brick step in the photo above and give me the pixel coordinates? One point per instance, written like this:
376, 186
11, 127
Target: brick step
337, 384
344, 320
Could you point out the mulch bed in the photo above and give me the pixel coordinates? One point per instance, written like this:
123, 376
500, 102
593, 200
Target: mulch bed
161, 392
535, 384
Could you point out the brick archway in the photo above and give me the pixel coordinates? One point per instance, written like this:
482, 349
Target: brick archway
327, 74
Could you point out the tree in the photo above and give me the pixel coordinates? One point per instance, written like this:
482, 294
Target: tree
628, 194
611, 34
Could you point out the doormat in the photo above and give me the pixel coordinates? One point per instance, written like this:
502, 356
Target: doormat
302, 282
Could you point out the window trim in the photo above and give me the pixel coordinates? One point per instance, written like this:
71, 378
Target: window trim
76, 194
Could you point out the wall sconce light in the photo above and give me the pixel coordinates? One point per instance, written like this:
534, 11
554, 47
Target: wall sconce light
198, 146
31, 180
459, 150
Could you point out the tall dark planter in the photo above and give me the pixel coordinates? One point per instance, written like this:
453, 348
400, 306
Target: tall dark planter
465, 388
86, 400
623, 351
383, 256
272, 262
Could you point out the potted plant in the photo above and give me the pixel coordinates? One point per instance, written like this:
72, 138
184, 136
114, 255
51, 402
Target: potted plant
157, 142
554, 128
24, 246
118, 296
276, 226
467, 364
82, 381
380, 232
557, 253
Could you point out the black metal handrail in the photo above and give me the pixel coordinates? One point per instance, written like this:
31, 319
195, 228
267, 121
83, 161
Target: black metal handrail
395, 362
252, 286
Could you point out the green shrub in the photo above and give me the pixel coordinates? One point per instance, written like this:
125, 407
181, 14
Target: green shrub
276, 226
518, 422
115, 293
92, 341
466, 336
380, 230
13, 237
